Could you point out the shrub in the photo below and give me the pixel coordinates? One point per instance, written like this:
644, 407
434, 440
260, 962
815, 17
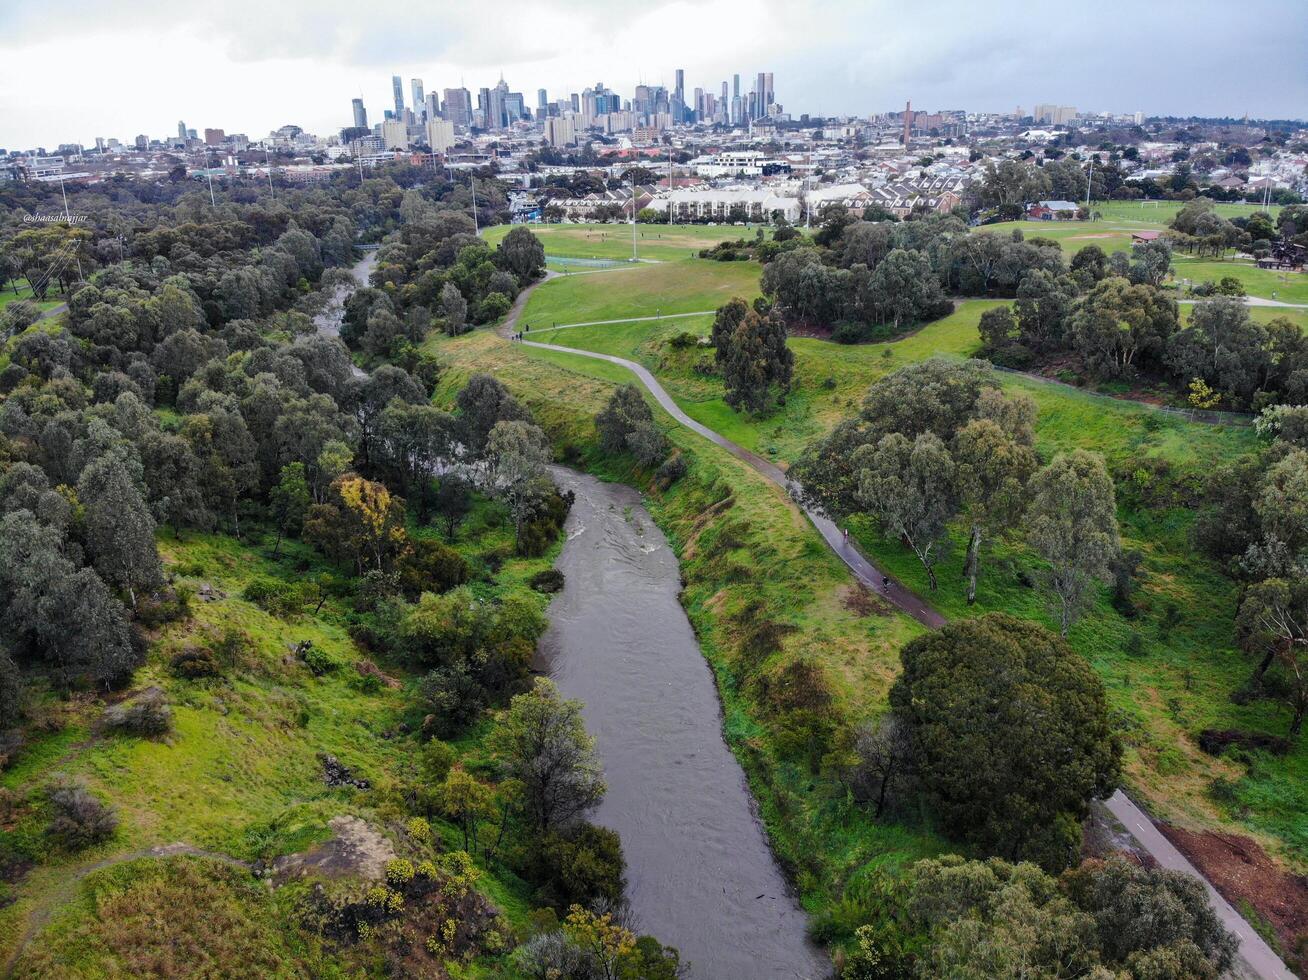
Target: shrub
147, 714
273, 596
580, 867
318, 661
194, 663
672, 470
548, 580
79, 819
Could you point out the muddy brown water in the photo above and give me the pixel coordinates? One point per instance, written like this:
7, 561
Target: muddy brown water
700, 875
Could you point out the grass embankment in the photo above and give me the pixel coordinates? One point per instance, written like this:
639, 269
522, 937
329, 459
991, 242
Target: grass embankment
613, 241
239, 775
1171, 683
768, 601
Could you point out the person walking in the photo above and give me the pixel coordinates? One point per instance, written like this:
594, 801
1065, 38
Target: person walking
846, 535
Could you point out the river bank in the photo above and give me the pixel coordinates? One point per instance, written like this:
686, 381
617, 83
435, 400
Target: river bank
701, 875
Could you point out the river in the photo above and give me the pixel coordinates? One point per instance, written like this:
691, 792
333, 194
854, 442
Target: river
329, 320
700, 875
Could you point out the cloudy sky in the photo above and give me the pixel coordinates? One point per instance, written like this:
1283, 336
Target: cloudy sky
71, 70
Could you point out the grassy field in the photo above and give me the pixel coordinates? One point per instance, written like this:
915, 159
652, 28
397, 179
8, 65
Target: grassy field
1169, 684
1122, 218
8, 296
240, 774
613, 241
688, 286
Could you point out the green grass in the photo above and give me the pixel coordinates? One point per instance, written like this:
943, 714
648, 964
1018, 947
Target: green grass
613, 241
1121, 218
239, 774
673, 287
7, 296
1180, 682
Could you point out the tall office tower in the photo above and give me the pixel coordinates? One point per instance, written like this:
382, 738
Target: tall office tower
499, 105
458, 106
542, 99
760, 97
360, 114
484, 106
433, 106
735, 85
181, 130
142, 142
419, 103
737, 110
769, 96
576, 102
397, 86
678, 106
698, 104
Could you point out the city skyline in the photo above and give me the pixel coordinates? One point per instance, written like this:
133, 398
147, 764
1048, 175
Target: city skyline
228, 68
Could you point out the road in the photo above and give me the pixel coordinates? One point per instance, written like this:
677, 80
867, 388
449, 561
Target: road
1259, 958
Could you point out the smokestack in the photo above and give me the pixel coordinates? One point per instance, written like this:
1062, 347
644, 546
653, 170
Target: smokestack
908, 120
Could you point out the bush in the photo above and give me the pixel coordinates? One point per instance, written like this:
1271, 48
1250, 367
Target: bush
581, 867
547, 580
147, 714
318, 661
167, 606
672, 470
194, 663
274, 596
430, 566
683, 340
79, 819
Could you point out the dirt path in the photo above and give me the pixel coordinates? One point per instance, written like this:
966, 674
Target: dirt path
1255, 954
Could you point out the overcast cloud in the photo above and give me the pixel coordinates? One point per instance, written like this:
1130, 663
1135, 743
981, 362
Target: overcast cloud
71, 70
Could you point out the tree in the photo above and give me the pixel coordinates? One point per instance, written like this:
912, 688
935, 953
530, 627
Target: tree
1072, 524
482, 403
1224, 347
1010, 732
11, 691
757, 361
465, 801
542, 743
453, 310
51, 609
910, 487
453, 501
994, 467
1150, 910
1118, 325
362, 523
522, 254
627, 424
995, 919
119, 527
905, 289
517, 454
1272, 625
725, 321
290, 501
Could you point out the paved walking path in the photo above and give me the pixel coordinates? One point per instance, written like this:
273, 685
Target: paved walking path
1259, 958
1255, 952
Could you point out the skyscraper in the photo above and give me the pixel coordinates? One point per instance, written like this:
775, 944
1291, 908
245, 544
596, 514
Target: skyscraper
181, 130
433, 106
458, 106
397, 85
360, 114
419, 103
542, 99
735, 85
678, 107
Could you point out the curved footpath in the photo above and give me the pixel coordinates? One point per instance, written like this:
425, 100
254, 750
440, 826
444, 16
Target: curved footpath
1258, 959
